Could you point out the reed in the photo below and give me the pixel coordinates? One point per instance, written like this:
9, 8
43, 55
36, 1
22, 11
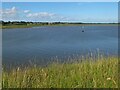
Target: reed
89, 73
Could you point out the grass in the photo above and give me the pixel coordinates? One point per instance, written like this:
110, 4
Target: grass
37, 25
88, 73
18, 26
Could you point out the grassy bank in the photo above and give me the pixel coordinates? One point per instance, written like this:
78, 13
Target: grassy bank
99, 73
19, 26
37, 25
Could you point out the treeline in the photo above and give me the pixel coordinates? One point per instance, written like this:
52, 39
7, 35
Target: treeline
26, 23
43, 23
14, 23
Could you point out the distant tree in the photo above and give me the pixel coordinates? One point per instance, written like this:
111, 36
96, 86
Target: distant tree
8, 22
2, 22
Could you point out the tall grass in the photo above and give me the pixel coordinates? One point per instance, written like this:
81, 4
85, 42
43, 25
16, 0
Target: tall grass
99, 73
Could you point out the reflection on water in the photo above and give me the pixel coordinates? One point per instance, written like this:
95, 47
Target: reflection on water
43, 43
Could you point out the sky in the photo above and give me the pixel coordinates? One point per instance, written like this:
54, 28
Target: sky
88, 12
60, 0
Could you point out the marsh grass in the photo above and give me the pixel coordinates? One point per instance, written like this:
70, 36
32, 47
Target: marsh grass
37, 25
89, 73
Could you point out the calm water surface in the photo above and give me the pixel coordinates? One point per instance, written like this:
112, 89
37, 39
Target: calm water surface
40, 44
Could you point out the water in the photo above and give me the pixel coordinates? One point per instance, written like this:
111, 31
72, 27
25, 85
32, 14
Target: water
40, 44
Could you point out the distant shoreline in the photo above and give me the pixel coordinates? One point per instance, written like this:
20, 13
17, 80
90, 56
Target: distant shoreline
10, 26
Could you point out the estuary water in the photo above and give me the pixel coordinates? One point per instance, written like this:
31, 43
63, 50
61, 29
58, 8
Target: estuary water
41, 44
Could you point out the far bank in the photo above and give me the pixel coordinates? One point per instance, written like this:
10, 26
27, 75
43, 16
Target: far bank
29, 25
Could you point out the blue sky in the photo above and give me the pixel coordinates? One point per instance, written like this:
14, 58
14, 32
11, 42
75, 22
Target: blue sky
61, 11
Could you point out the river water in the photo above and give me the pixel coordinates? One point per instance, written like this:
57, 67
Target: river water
41, 44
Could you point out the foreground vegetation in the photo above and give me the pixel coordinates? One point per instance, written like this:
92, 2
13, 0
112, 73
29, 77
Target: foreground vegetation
88, 73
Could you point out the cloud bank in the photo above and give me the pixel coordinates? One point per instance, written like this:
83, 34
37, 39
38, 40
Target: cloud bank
10, 14
13, 14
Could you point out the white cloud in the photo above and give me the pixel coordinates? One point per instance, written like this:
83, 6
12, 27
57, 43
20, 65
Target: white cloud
13, 13
26, 11
46, 16
9, 11
40, 14
0, 14
10, 14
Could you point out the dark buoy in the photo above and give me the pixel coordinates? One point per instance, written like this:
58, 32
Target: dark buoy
83, 28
